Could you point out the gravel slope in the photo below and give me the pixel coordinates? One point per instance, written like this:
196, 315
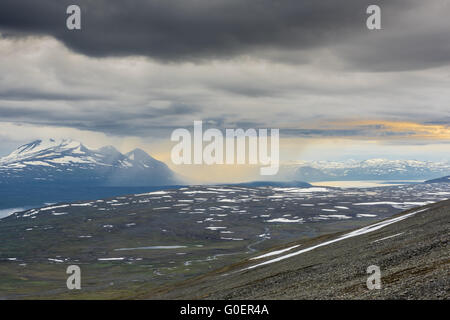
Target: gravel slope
413, 255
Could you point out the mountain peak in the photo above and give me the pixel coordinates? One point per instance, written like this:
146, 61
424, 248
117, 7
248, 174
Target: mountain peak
138, 155
50, 143
108, 150
39, 147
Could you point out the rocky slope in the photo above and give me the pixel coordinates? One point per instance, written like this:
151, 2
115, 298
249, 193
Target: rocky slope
411, 250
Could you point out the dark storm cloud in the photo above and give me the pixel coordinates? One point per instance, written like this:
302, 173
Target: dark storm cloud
24, 94
280, 63
174, 30
158, 122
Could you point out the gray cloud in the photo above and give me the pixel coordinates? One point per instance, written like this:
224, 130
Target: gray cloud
198, 30
26, 94
157, 122
285, 64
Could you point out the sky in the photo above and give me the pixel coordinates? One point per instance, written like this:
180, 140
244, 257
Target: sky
137, 70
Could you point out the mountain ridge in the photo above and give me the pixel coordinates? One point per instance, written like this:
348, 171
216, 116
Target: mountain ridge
370, 169
445, 179
69, 161
410, 247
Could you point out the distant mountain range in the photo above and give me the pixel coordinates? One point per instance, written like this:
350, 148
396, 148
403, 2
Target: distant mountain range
373, 169
68, 162
71, 163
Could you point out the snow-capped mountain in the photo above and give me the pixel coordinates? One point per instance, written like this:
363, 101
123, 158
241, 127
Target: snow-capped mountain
372, 169
68, 161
